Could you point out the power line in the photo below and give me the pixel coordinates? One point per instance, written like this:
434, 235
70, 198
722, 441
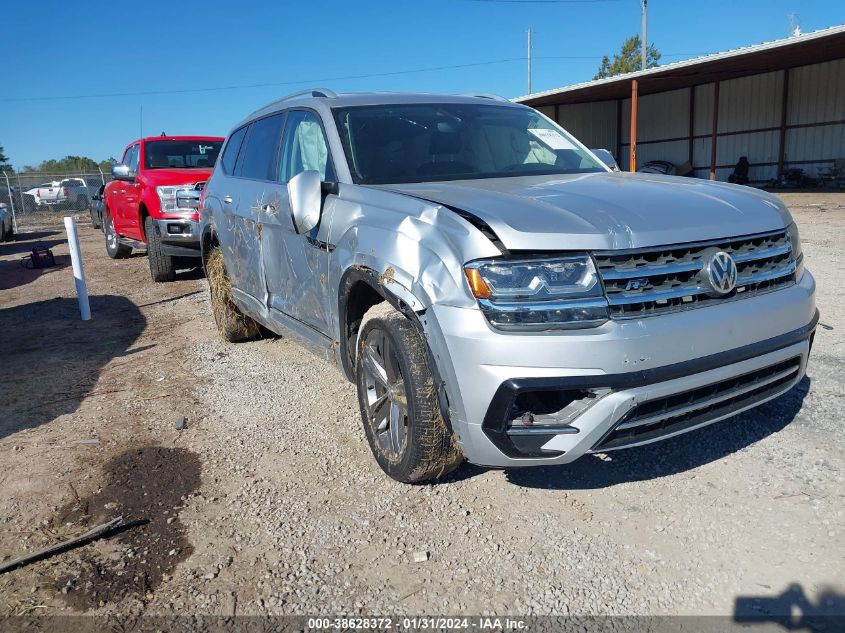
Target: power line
145, 93
545, 1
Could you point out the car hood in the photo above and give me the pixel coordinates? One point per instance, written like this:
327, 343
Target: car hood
606, 210
158, 177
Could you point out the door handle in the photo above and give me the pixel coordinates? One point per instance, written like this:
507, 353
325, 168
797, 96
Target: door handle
227, 199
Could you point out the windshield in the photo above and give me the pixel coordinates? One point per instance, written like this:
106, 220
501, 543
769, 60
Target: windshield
181, 154
433, 142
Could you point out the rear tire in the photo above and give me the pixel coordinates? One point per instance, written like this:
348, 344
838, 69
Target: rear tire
162, 266
398, 400
95, 220
232, 324
114, 248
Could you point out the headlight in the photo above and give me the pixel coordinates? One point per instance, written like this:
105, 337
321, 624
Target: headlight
797, 253
538, 294
167, 197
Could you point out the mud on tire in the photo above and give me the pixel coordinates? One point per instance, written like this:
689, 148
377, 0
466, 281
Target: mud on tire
232, 324
391, 351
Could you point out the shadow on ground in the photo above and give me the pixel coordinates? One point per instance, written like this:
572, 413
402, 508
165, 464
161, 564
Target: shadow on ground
14, 274
660, 459
23, 244
51, 359
793, 610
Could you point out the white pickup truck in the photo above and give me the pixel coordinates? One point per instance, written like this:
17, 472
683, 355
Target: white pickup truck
68, 193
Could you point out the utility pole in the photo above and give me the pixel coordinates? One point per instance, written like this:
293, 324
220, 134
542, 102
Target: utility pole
529, 61
644, 43
141, 120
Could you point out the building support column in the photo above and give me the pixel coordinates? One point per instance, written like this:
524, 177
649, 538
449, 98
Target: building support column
714, 131
557, 113
783, 120
618, 155
632, 161
691, 125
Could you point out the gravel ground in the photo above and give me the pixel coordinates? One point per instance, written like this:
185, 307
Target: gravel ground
294, 516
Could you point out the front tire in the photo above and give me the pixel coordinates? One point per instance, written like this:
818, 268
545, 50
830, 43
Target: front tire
114, 248
398, 400
232, 324
162, 266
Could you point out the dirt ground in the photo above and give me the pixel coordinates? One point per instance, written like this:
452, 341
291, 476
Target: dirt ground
269, 501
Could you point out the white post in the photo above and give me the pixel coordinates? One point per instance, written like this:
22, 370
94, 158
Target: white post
644, 43
12, 202
529, 61
78, 271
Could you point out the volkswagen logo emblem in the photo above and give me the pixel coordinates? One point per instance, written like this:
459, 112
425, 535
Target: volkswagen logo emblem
721, 273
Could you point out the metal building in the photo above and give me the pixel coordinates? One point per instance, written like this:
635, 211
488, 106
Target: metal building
781, 104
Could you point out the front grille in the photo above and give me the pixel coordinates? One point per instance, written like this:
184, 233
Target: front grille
650, 281
663, 416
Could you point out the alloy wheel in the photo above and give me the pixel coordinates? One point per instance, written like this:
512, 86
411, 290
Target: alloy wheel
386, 398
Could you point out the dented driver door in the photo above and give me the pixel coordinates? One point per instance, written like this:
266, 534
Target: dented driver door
296, 266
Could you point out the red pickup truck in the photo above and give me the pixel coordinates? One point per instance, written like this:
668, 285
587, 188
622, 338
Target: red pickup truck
140, 208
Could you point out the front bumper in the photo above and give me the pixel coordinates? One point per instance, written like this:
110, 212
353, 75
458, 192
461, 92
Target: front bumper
180, 237
700, 366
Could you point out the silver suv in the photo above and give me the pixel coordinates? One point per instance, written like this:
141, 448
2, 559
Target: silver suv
495, 292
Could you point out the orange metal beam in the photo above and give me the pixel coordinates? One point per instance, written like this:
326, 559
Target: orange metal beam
713, 134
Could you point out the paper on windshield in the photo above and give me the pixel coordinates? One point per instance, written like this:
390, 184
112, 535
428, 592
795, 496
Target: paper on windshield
552, 138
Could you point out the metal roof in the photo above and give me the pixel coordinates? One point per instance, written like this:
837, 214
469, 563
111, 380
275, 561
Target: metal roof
799, 50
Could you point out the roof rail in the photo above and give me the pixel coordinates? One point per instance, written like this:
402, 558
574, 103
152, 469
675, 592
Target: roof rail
484, 95
325, 93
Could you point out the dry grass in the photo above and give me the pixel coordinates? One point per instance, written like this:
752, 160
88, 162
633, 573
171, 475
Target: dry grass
231, 322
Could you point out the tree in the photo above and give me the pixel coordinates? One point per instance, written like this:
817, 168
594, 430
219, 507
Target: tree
106, 165
628, 60
4, 161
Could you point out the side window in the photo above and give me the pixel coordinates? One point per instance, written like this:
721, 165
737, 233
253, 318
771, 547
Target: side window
130, 159
304, 147
230, 154
259, 153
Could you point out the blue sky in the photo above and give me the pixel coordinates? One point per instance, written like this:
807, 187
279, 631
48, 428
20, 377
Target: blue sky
116, 48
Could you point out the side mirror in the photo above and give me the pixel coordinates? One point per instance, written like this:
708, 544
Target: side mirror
607, 158
306, 200
122, 172
188, 199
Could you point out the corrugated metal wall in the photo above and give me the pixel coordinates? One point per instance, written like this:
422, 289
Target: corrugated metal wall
749, 123
594, 124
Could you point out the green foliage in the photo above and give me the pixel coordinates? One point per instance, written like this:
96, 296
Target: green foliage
628, 59
4, 161
71, 165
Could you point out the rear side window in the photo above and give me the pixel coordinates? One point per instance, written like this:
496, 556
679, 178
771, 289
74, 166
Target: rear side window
259, 152
230, 154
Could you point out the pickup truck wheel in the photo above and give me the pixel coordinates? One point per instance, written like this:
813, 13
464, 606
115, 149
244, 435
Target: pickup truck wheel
398, 399
162, 266
232, 324
114, 248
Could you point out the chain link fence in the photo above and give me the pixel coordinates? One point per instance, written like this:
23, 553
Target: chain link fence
37, 198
